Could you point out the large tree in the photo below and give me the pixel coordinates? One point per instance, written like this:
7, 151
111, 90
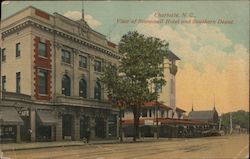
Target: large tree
141, 68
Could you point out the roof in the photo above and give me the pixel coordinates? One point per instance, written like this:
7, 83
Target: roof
153, 104
202, 115
165, 121
180, 110
172, 56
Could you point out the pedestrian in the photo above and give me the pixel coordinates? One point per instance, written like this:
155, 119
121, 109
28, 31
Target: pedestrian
88, 135
29, 134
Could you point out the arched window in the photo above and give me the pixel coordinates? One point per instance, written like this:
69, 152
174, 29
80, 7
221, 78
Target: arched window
66, 85
97, 90
83, 88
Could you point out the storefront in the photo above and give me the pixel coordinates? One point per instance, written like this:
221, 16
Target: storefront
84, 127
45, 125
112, 125
67, 126
10, 122
100, 127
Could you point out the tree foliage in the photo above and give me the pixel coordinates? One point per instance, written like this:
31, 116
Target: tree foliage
240, 117
141, 68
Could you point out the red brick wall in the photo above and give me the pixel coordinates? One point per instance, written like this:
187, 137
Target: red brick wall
43, 63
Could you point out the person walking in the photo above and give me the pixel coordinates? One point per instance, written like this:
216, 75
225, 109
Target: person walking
88, 135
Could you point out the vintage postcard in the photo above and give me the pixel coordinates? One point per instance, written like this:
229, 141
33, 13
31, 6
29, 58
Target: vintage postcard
124, 79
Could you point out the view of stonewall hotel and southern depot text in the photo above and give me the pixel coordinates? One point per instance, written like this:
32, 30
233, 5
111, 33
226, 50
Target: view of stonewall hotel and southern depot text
124, 79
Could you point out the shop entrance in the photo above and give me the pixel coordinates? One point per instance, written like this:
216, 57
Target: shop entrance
24, 129
99, 127
112, 126
67, 124
84, 126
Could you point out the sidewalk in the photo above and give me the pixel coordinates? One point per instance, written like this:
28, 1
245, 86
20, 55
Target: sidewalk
37, 145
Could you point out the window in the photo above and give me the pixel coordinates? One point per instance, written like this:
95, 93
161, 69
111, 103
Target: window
144, 113
162, 113
3, 55
66, 85
18, 50
18, 80
42, 49
150, 112
83, 61
97, 66
66, 56
3, 83
42, 81
97, 90
83, 88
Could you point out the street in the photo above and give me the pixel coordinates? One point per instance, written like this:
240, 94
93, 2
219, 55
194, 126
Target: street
222, 147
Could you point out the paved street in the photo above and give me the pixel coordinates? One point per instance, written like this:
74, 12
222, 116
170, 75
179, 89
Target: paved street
227, 147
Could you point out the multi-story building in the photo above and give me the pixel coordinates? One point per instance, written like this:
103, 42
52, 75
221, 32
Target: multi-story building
164, 112
50, 70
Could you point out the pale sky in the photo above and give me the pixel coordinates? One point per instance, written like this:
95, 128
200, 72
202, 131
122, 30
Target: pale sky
214, 57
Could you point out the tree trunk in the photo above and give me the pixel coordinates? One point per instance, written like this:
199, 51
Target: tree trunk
120, 125
136, 112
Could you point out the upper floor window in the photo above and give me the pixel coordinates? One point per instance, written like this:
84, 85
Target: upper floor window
3, 54
66, 85
97, 90
18, 82
18, 51
42, 75
83, 88
42, 49
97, 66
3, 83
82, 61
66, 56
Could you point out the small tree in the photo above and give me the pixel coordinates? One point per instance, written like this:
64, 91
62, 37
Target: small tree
141, 66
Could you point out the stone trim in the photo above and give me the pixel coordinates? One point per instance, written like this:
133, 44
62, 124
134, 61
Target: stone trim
74, 38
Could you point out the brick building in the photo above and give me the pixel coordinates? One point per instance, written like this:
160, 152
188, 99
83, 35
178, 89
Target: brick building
50, 70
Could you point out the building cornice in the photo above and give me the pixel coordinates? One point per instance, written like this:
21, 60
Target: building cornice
50, 29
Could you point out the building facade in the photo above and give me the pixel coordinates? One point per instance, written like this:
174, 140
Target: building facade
164, 114
50, 70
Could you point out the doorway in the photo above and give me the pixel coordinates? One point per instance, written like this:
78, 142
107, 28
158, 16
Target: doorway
67, 126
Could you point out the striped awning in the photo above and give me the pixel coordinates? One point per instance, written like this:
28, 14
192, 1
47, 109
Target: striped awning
47, 117
9, 116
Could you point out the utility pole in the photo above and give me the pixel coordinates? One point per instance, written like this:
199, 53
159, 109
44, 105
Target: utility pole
231, 123
220, 123
157, 120
120, 124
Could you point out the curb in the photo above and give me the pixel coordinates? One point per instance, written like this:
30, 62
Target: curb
82, 144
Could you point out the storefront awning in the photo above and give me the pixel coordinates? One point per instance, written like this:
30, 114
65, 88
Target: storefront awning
47, 117
9, 116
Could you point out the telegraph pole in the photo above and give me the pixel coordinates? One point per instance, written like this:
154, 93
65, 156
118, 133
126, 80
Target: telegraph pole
231, 123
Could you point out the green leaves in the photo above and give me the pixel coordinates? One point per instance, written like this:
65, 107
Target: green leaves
141, 63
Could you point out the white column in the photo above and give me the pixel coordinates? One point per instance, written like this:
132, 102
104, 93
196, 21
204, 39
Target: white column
33, 124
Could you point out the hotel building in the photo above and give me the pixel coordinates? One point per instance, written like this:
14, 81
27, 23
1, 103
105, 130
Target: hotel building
50, 70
